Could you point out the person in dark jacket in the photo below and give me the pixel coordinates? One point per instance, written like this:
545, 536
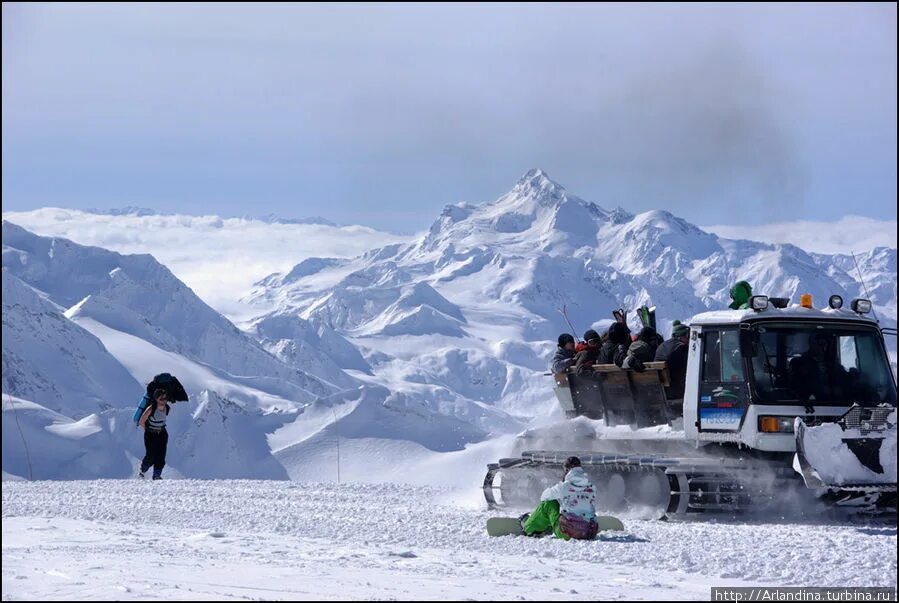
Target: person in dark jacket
614, 350
674, 353
564, 356
585, 359
642, 350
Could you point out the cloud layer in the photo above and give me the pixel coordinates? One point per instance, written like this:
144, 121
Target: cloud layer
851, 233
219, 258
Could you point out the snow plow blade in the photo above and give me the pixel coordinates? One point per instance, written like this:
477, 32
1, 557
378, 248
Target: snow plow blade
857, 452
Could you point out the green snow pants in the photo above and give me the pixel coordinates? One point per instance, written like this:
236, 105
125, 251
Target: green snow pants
545, 518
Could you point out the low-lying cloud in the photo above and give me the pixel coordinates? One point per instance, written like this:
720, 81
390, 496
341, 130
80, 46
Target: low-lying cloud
851, 233
219, 258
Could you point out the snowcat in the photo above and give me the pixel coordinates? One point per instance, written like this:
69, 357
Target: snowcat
782, 404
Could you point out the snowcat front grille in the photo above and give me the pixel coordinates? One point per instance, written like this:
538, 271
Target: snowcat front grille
867, 420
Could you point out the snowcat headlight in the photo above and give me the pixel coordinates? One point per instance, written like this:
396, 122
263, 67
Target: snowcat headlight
758, 302
805, 300
776, 424
835, 302
862, 306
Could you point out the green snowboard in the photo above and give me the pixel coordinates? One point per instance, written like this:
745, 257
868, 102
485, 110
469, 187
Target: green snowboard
510, 526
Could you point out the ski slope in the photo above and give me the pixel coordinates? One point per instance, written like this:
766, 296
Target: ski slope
224, 539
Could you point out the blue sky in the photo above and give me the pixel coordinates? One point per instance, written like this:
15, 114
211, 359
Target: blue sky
380, 115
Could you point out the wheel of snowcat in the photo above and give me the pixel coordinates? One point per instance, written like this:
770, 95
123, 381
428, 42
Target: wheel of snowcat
610, 491
647, 490
521, 487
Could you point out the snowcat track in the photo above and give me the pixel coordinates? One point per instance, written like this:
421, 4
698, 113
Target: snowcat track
694, 485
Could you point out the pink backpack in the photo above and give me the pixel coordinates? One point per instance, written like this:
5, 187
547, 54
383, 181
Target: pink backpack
577, 527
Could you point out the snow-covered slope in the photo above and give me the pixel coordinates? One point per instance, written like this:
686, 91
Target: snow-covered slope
52, 361
137, 295
218, 257
80, 373
869, 274
255, 410
40, 443
311, 346
473, 304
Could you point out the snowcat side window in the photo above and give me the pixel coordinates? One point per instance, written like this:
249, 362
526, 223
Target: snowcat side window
875, 370
731, 365
722, 393
711, 358
721, 359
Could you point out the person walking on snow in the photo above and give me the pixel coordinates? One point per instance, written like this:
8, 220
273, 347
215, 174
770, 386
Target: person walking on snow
156, 438
568, 509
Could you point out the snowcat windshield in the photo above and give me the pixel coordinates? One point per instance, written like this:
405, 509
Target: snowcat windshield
819, 364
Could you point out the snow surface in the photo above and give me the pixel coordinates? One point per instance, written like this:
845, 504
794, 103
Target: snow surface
188, 539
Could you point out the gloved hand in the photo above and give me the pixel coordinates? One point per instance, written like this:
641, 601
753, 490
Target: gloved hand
633, 363
620, 355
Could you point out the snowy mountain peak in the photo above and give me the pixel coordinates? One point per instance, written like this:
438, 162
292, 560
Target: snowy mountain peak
537, 211
538, 178
534, 187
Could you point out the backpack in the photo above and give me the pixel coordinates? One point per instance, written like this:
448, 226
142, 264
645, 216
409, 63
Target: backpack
165, 381
575, 526
141, 407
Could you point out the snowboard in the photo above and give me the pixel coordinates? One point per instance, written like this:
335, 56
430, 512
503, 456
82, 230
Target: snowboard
504, 526
510, 526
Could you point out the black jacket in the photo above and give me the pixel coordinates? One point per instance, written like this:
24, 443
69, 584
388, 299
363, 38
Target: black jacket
674, 353
612, 353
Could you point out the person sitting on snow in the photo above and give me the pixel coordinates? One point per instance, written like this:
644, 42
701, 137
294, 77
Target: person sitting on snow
564, 356
568, 509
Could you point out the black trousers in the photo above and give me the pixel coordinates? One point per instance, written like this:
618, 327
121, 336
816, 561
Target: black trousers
156, 443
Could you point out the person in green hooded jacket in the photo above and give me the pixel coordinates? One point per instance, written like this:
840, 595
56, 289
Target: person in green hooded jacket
739, 295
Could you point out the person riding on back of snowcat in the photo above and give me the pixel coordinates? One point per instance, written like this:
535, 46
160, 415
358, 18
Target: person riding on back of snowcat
614, 350
585, 359
739, 295
643, 350
564, 356
674, 354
